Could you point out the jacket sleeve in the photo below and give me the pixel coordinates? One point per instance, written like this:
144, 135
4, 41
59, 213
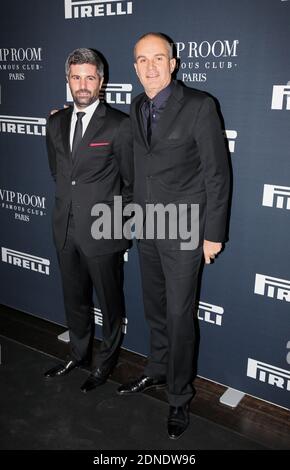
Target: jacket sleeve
124, 155
214, 158
51, 152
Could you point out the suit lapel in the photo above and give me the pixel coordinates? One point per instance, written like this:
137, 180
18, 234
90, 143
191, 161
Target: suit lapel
168, 115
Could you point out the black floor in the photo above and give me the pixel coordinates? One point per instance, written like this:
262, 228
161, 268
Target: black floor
53, 414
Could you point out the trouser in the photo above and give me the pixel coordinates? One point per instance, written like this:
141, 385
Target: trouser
169, 282
79, 275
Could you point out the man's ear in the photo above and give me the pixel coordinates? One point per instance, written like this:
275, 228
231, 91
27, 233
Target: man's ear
172, 65
136, 70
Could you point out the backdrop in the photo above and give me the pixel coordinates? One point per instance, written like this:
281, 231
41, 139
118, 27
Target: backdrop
235, 50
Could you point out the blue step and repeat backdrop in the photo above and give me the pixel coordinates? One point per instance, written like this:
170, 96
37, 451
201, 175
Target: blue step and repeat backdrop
239, 52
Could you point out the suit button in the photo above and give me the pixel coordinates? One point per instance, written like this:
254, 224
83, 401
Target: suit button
73, 183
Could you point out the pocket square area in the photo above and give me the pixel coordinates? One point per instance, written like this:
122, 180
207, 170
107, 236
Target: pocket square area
98, 144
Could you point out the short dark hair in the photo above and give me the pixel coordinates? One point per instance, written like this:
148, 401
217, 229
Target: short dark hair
160, 36
85, 56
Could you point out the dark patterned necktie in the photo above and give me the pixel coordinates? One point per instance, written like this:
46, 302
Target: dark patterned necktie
78, 134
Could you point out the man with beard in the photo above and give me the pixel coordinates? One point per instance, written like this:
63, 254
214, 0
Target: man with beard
89, 152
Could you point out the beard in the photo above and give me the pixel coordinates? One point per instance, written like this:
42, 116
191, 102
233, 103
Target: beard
84, 98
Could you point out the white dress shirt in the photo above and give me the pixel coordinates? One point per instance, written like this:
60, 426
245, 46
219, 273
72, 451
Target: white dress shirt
85, 120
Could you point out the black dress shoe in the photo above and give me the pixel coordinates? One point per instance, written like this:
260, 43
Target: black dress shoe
96, 378
178, 421
141, 384
63, 369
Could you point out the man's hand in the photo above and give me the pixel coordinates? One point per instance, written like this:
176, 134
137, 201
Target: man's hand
53, 111
210, 250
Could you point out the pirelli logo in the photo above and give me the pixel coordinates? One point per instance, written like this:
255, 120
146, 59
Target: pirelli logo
210, 313
281, 97
231, 136
99, 319
272, 287
25, 261
23, 125
276, 196
268, 374
96, 8
112, 93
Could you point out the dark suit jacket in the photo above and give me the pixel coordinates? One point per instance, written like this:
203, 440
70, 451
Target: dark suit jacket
102, 169
187, 160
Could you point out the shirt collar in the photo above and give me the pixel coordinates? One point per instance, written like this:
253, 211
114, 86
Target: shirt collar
89, 110
162, 96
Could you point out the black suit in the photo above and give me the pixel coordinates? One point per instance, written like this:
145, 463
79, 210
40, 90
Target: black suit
101, 169
185, 163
